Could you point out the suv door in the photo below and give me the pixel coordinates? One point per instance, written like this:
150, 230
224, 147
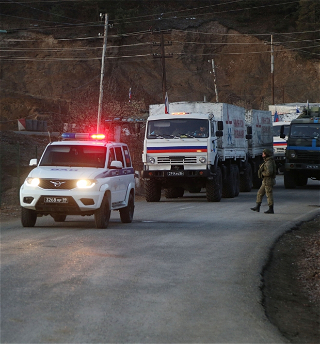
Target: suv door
123, 177
115, 179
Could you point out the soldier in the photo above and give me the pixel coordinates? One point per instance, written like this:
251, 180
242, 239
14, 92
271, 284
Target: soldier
267, 172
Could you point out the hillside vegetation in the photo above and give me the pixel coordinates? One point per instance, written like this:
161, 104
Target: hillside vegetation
51, 56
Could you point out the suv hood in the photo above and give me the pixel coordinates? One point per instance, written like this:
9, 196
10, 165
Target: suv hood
61, 172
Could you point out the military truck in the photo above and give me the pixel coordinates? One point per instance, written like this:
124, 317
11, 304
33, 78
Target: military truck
303, 149
197, 145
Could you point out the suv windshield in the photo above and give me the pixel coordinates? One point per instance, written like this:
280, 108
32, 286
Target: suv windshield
175, 128
72, 155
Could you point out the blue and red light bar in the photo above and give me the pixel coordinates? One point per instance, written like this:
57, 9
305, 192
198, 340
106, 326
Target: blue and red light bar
83, 136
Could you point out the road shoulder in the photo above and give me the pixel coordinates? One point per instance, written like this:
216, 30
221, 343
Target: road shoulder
291, 283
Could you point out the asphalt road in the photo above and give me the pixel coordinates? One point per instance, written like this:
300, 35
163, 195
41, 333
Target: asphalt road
185, 271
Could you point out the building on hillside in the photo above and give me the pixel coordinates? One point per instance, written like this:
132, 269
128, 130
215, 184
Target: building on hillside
289, 111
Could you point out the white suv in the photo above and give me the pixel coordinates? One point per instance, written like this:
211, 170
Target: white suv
81, 175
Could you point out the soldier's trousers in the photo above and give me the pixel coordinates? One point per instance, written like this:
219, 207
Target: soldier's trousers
265, 190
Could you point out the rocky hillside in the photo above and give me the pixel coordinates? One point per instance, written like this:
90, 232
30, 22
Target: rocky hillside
53, 72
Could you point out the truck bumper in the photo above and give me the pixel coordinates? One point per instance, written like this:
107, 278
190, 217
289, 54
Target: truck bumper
310, 170
176, 174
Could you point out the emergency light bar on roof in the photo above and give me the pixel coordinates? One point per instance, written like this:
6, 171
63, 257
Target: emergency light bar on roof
82, 136
179, 113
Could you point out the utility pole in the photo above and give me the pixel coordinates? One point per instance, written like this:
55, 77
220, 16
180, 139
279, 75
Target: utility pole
214, 80
163, 56
102, 69
272, 71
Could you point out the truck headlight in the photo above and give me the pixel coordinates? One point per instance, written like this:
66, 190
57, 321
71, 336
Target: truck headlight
32, 181
86, 183
151, 160
292, 154
202, 159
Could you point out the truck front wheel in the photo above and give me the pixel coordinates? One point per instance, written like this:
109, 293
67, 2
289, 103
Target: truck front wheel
214, 187
153, 190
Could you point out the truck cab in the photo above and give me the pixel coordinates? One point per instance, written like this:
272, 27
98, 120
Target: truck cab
303, 150
280, 144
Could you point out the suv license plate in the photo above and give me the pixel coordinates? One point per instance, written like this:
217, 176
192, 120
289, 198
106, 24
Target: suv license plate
175, 174
55, 200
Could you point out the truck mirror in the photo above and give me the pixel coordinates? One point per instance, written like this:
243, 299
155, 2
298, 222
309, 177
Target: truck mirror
248, 136
249, 131
220, 125
282, 134
219, 133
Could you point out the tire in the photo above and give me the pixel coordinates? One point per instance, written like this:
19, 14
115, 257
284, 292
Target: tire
126, 214
214, 187
236, 180
228, 189
28, 217
246, 179
153, 190
174, 192
289, 180
59, 218
102, 215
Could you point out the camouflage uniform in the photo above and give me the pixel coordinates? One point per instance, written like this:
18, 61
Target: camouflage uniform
267, 171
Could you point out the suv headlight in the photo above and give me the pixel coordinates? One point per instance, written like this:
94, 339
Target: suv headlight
86, 183
151, 160
32, 181
202, 159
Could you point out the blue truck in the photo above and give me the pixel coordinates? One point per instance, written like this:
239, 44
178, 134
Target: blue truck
303, 149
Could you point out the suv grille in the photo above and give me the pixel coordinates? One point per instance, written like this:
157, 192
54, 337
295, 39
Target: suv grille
58, 184
177, 160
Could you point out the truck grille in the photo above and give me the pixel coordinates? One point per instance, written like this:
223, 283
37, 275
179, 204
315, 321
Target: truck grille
311, 157
177, 160
58, 184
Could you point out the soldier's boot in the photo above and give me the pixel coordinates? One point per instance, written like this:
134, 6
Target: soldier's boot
270, 210
257, 207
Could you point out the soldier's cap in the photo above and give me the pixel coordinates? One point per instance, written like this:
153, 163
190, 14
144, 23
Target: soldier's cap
267, 152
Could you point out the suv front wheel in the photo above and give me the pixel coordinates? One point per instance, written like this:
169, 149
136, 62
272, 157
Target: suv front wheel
102, 215
28, 217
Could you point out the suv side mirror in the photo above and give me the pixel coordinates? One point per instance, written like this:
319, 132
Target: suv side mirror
33, 162
116, 164
282, 134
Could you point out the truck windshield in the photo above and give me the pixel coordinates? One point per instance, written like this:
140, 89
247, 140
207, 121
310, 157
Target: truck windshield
177, 128
77, 156
276, 130
302, 130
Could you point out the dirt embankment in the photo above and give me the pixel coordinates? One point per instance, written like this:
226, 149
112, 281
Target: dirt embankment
50, 78
291, 289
